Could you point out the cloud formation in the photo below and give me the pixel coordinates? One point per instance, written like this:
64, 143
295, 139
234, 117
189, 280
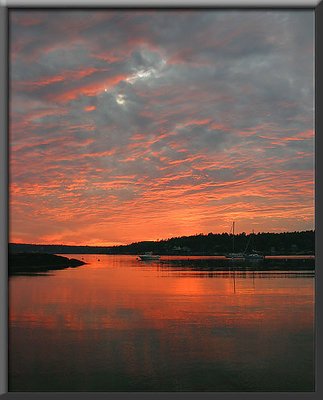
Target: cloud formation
136, 125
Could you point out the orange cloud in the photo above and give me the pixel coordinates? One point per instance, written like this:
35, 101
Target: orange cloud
87, 89
89, 108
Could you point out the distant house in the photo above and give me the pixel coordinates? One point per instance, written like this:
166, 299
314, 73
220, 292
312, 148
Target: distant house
183, 249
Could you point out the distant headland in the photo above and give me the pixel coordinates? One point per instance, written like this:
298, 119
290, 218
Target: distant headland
37, 262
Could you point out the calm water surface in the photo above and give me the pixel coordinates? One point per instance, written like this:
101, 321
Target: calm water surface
122, 325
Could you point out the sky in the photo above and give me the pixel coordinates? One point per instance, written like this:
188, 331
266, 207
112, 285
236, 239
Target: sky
130, 125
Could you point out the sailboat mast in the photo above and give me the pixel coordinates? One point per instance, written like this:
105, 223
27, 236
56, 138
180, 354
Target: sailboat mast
233, 237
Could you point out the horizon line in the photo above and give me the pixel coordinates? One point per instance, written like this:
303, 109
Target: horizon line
156, 240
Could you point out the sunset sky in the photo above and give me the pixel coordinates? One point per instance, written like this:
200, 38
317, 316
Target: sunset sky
142, 125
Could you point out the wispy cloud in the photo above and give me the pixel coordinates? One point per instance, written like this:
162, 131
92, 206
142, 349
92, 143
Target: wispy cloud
136, 125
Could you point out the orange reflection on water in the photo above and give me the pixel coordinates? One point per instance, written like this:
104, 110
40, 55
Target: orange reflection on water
124, 294
146, 317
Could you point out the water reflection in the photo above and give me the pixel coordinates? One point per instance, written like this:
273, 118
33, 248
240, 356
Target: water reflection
223, 264
119, 325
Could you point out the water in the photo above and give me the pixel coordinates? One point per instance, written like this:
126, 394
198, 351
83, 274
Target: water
122, 325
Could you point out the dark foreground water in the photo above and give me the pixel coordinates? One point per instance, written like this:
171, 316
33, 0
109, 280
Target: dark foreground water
175, 325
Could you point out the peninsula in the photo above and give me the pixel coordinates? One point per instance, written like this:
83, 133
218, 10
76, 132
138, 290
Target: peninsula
39, 262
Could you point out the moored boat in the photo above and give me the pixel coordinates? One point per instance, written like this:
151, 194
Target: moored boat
234, 255
148, 256
254, 256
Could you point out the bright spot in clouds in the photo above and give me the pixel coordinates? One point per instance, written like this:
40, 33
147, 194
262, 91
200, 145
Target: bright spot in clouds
140, 75
120, 99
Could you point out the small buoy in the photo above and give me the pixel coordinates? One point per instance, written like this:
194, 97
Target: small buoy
98, 259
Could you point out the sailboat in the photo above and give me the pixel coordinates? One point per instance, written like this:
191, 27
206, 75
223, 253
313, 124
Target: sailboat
234, 255
252, 255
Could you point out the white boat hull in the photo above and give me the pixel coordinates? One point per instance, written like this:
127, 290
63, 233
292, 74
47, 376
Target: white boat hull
234, 255
148, 257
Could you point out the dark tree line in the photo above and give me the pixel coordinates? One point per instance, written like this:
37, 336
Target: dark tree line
266, 243
208, 244
56, 249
